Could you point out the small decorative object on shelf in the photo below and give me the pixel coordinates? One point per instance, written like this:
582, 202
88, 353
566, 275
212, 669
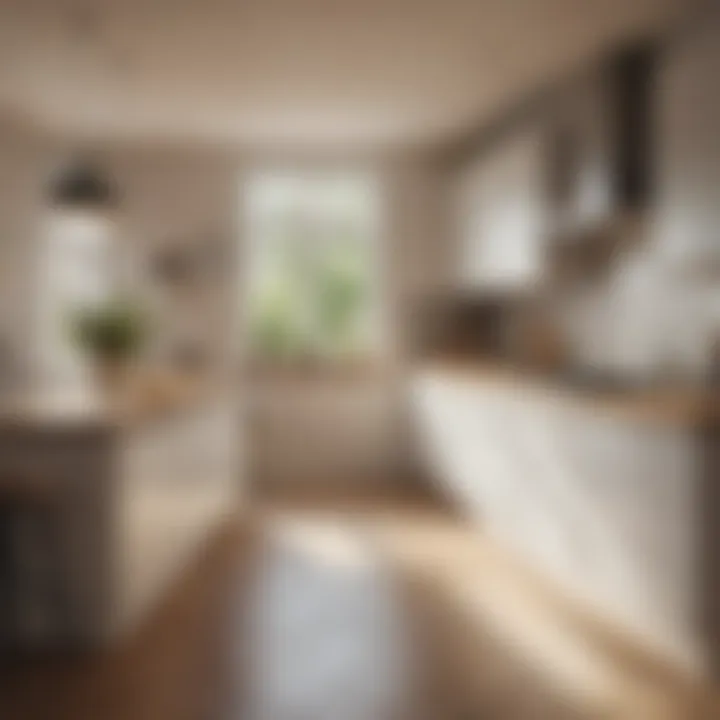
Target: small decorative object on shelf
190, 260
173, 265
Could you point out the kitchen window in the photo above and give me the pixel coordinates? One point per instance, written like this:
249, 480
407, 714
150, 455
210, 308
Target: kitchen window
313, 270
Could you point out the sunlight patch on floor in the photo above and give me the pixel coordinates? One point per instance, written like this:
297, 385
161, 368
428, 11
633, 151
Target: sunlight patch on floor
327, 629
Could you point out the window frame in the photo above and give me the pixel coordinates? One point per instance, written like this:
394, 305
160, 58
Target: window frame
356, 365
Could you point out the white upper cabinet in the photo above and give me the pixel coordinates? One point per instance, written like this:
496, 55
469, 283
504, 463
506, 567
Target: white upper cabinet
573, 168
501, 211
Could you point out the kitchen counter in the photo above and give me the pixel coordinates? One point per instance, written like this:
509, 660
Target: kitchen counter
658, 404
139, 404
613, 494
146, 478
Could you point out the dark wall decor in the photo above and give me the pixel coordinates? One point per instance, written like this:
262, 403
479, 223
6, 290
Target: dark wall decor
190, 260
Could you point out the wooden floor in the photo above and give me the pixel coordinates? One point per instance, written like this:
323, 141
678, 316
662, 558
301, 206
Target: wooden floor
374, 611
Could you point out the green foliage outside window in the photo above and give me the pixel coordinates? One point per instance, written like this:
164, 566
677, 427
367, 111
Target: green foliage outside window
311, 292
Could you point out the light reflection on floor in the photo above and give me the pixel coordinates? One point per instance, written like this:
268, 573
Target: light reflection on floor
327, 631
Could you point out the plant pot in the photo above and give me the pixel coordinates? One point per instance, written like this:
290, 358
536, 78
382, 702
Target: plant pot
112, 376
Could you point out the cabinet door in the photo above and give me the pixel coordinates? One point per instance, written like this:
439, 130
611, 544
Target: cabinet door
502, 215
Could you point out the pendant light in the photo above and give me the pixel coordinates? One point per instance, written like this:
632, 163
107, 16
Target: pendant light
79, 184
82, 186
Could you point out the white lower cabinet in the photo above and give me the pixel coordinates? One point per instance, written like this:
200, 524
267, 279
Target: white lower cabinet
605, 505
178, 479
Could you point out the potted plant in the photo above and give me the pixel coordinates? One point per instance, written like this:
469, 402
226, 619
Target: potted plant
112, 334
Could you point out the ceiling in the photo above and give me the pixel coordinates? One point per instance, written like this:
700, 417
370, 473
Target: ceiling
295, 72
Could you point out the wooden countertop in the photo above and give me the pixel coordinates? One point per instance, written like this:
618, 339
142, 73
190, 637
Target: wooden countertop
694, 408
140, 403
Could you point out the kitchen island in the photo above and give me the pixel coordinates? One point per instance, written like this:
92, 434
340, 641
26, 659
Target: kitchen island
612, 494
144, 482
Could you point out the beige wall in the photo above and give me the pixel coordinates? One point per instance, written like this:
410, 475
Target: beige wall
350, 427
185, 199
23, 158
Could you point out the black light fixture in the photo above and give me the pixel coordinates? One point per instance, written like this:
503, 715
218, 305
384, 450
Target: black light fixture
80, 185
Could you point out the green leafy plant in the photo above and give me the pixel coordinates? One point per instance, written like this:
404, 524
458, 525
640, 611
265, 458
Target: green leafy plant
339, 297
275, 328
311, 302
113, 331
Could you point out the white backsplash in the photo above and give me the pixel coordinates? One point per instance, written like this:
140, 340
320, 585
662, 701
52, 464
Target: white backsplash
645, 319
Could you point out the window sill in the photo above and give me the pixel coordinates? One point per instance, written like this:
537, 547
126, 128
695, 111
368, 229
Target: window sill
316, 370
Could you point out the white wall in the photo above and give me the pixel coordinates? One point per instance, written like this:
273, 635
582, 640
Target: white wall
688, 137
22, 170
660, 309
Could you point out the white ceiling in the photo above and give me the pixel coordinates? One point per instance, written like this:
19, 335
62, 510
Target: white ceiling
295, 71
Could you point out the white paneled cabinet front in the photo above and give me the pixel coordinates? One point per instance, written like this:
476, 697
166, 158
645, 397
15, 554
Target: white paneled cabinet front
178, 482
501, 215
604, 505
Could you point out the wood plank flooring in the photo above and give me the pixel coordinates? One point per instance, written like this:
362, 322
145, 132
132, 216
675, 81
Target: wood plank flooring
351, 611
